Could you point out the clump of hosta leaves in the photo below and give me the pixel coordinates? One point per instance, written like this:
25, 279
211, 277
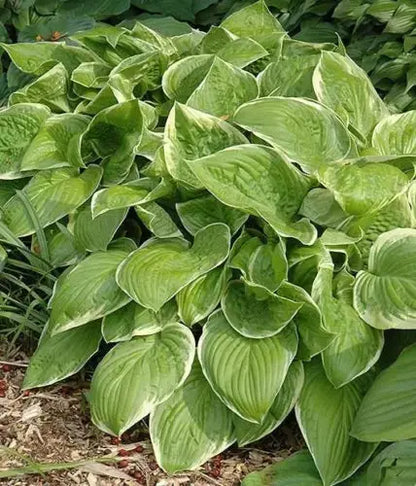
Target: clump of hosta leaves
233, 212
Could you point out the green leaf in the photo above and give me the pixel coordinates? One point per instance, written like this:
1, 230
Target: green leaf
39, 57
388, 410
156, 272
52, 194
241, 52
281, 122
384, 294
157, 220
322, 407
62, 355
191, 134
135, 320
198, 299
394, 463
314, 337
245, 373
343, 86
394, 135
121, 196
91, 74
113, 133
61, 246
255, 317
88, 292
321, 208
95, 234
349, 184
298, 469
398, 214
53, 145
253, 21
182, 78
356, 346
99, 9
197, 213
51, 89
267, 266
247, 432
257, 180
194, 417
137, 74
289, 77
223, 90
137, 375
18, 126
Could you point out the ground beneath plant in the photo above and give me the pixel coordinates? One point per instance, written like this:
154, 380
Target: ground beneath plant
49, 431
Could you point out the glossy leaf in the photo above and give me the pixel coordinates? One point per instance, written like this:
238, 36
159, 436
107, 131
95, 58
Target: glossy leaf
336, 454
153, 366
18, 126
282, 122
245, 373
193, 417
155, 273
89, 291
247, 432
191, 134
255, 317
341, 85
384, 294
62, 355
387, 412
52, 195
251, 178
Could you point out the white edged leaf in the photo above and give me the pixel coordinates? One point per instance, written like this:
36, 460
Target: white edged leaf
245, 373
137, 375
156, 272
193, 417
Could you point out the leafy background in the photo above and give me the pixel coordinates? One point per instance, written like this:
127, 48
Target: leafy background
380, 35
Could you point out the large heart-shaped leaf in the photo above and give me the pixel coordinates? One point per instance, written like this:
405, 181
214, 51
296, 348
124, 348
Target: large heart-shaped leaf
51, 90
388, 411
257, 180
394, 135
52, 146
197, 213
281, 122
18, 126
254, 316
245, 373
384, 294
113, 133
153, 274
343, 86
195, 417
135, 320
137, 375
356, 346
51, 195
191, 134
198, 299
247, 432
224, 89
349, 184
314, 337
89, 291
62, 355
96, 234
337, 455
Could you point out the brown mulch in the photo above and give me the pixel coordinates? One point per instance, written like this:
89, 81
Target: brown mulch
51, 425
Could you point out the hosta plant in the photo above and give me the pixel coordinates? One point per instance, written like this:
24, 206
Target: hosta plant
232, 212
